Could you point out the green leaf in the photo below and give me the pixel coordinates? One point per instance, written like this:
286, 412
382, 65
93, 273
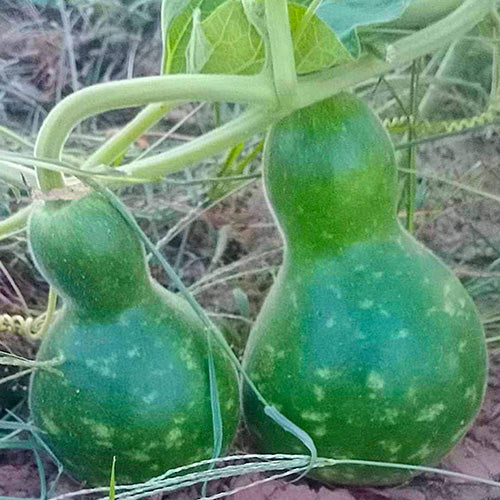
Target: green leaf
316, 46
346, 15
178, 34
112, 480
198, 48
238, 48
170, 9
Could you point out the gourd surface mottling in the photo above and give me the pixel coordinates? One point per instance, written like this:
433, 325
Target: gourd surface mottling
134, 379
366, 340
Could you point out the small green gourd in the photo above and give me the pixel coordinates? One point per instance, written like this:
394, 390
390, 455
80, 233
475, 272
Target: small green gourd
134, 377
366, 340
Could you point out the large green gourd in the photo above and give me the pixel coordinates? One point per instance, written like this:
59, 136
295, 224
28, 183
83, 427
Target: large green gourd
366, 340
134, 379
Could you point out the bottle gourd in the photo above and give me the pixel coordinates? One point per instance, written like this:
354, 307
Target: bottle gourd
134, 377
366, 340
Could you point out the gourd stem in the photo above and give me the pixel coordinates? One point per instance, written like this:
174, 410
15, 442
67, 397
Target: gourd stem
250, 89
49, 312
281, 51
252, 121
137, 92
117, 145
412, 179
459, 22
422, 12
15, 223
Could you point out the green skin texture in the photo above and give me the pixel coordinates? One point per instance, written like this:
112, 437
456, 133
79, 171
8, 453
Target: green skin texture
366, 340
134, 382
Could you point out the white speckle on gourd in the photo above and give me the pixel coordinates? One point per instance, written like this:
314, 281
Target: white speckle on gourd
174, 438
366, 304
158, 373
327, 235
133, 353
401, 334
335, 290
462, 345
359, 334
150, 398
378, 274
102, 443
90, 363
293, 297
315, 416
422, 453
269, 349
384, 313
430, 413
329, 323
319, 393
391, 446
50, 425
471, 393
189, 361
431, 310
359, 268
375, 381
319, 432
138, 456
324, 373
98, 429
389, 415
449, 308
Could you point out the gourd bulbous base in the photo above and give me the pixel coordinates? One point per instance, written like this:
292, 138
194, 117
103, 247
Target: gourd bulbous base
134, 386
134, 378
377, 352
366, 340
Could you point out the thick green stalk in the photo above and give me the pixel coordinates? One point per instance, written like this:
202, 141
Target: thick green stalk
15, 223
281, 51
252, 121
118, 144
444, 32
255, 89
137, 92
423, 12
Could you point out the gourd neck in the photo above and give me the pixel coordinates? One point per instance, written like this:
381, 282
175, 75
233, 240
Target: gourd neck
87, 251
330, 176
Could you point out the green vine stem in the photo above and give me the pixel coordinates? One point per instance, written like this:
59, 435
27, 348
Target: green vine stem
117, 145
138, 92
281, 51
254, 89
252, 121
441, 33
15, 223
313, 89
422, 12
